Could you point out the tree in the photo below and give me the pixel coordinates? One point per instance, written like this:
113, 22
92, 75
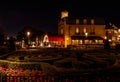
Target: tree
33, 33
11, 45
1, 35
2, 39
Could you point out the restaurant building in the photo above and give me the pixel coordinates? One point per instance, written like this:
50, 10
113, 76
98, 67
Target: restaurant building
81, 31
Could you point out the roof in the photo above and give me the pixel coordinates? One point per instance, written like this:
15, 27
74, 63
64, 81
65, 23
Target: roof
56, 38
111, 26
98, 20
88, 38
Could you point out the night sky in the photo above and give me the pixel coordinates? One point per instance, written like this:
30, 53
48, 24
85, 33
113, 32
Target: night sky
44, 14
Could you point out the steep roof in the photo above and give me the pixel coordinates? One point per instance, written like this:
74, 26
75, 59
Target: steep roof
97, 20
87, 38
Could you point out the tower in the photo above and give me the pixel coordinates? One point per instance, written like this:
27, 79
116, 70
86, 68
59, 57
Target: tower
64, 15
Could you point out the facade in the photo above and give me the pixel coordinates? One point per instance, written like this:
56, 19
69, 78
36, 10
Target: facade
80, 31
112, 32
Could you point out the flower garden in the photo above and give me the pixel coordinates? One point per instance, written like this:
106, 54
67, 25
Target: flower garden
60, 65
22, 70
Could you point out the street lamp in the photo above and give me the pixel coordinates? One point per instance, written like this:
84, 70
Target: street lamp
28, 34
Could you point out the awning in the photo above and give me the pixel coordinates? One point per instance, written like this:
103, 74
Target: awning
56, 38
86, 38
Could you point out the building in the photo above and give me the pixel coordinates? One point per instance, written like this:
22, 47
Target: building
81, 31
112, 32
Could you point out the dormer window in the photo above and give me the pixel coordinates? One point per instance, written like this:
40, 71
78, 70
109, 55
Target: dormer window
85, 21
92, 21
77, 21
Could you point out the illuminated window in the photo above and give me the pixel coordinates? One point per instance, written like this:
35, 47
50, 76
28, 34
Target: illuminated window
100, 41
96, 41
73, 42
92, 21
119, 30
77, 30
80, 42
77, 21
61, 31
85, 21
84, 30
76, 42
86, 41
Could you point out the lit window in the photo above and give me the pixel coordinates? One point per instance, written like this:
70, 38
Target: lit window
86, 41
84, 30
61, 31
77, 21
119, 30
96, 41
73, 42
80, 41
77, 30
85, 21
92, 21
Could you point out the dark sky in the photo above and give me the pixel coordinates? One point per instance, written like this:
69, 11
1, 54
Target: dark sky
44, 14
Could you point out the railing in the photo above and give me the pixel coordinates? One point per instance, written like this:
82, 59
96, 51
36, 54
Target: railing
109, 78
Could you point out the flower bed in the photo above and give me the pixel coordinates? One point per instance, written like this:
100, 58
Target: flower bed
20, 69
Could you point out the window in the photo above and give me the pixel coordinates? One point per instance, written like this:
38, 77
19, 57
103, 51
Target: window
73, 42
77, 30
80, 42
85, 21
84, 30
77, 21
61, 31
92, 21
86, 41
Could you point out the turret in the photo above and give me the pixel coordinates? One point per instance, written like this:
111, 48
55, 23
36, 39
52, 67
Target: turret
64, 14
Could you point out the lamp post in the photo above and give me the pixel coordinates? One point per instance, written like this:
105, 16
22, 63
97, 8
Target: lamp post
28, 34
